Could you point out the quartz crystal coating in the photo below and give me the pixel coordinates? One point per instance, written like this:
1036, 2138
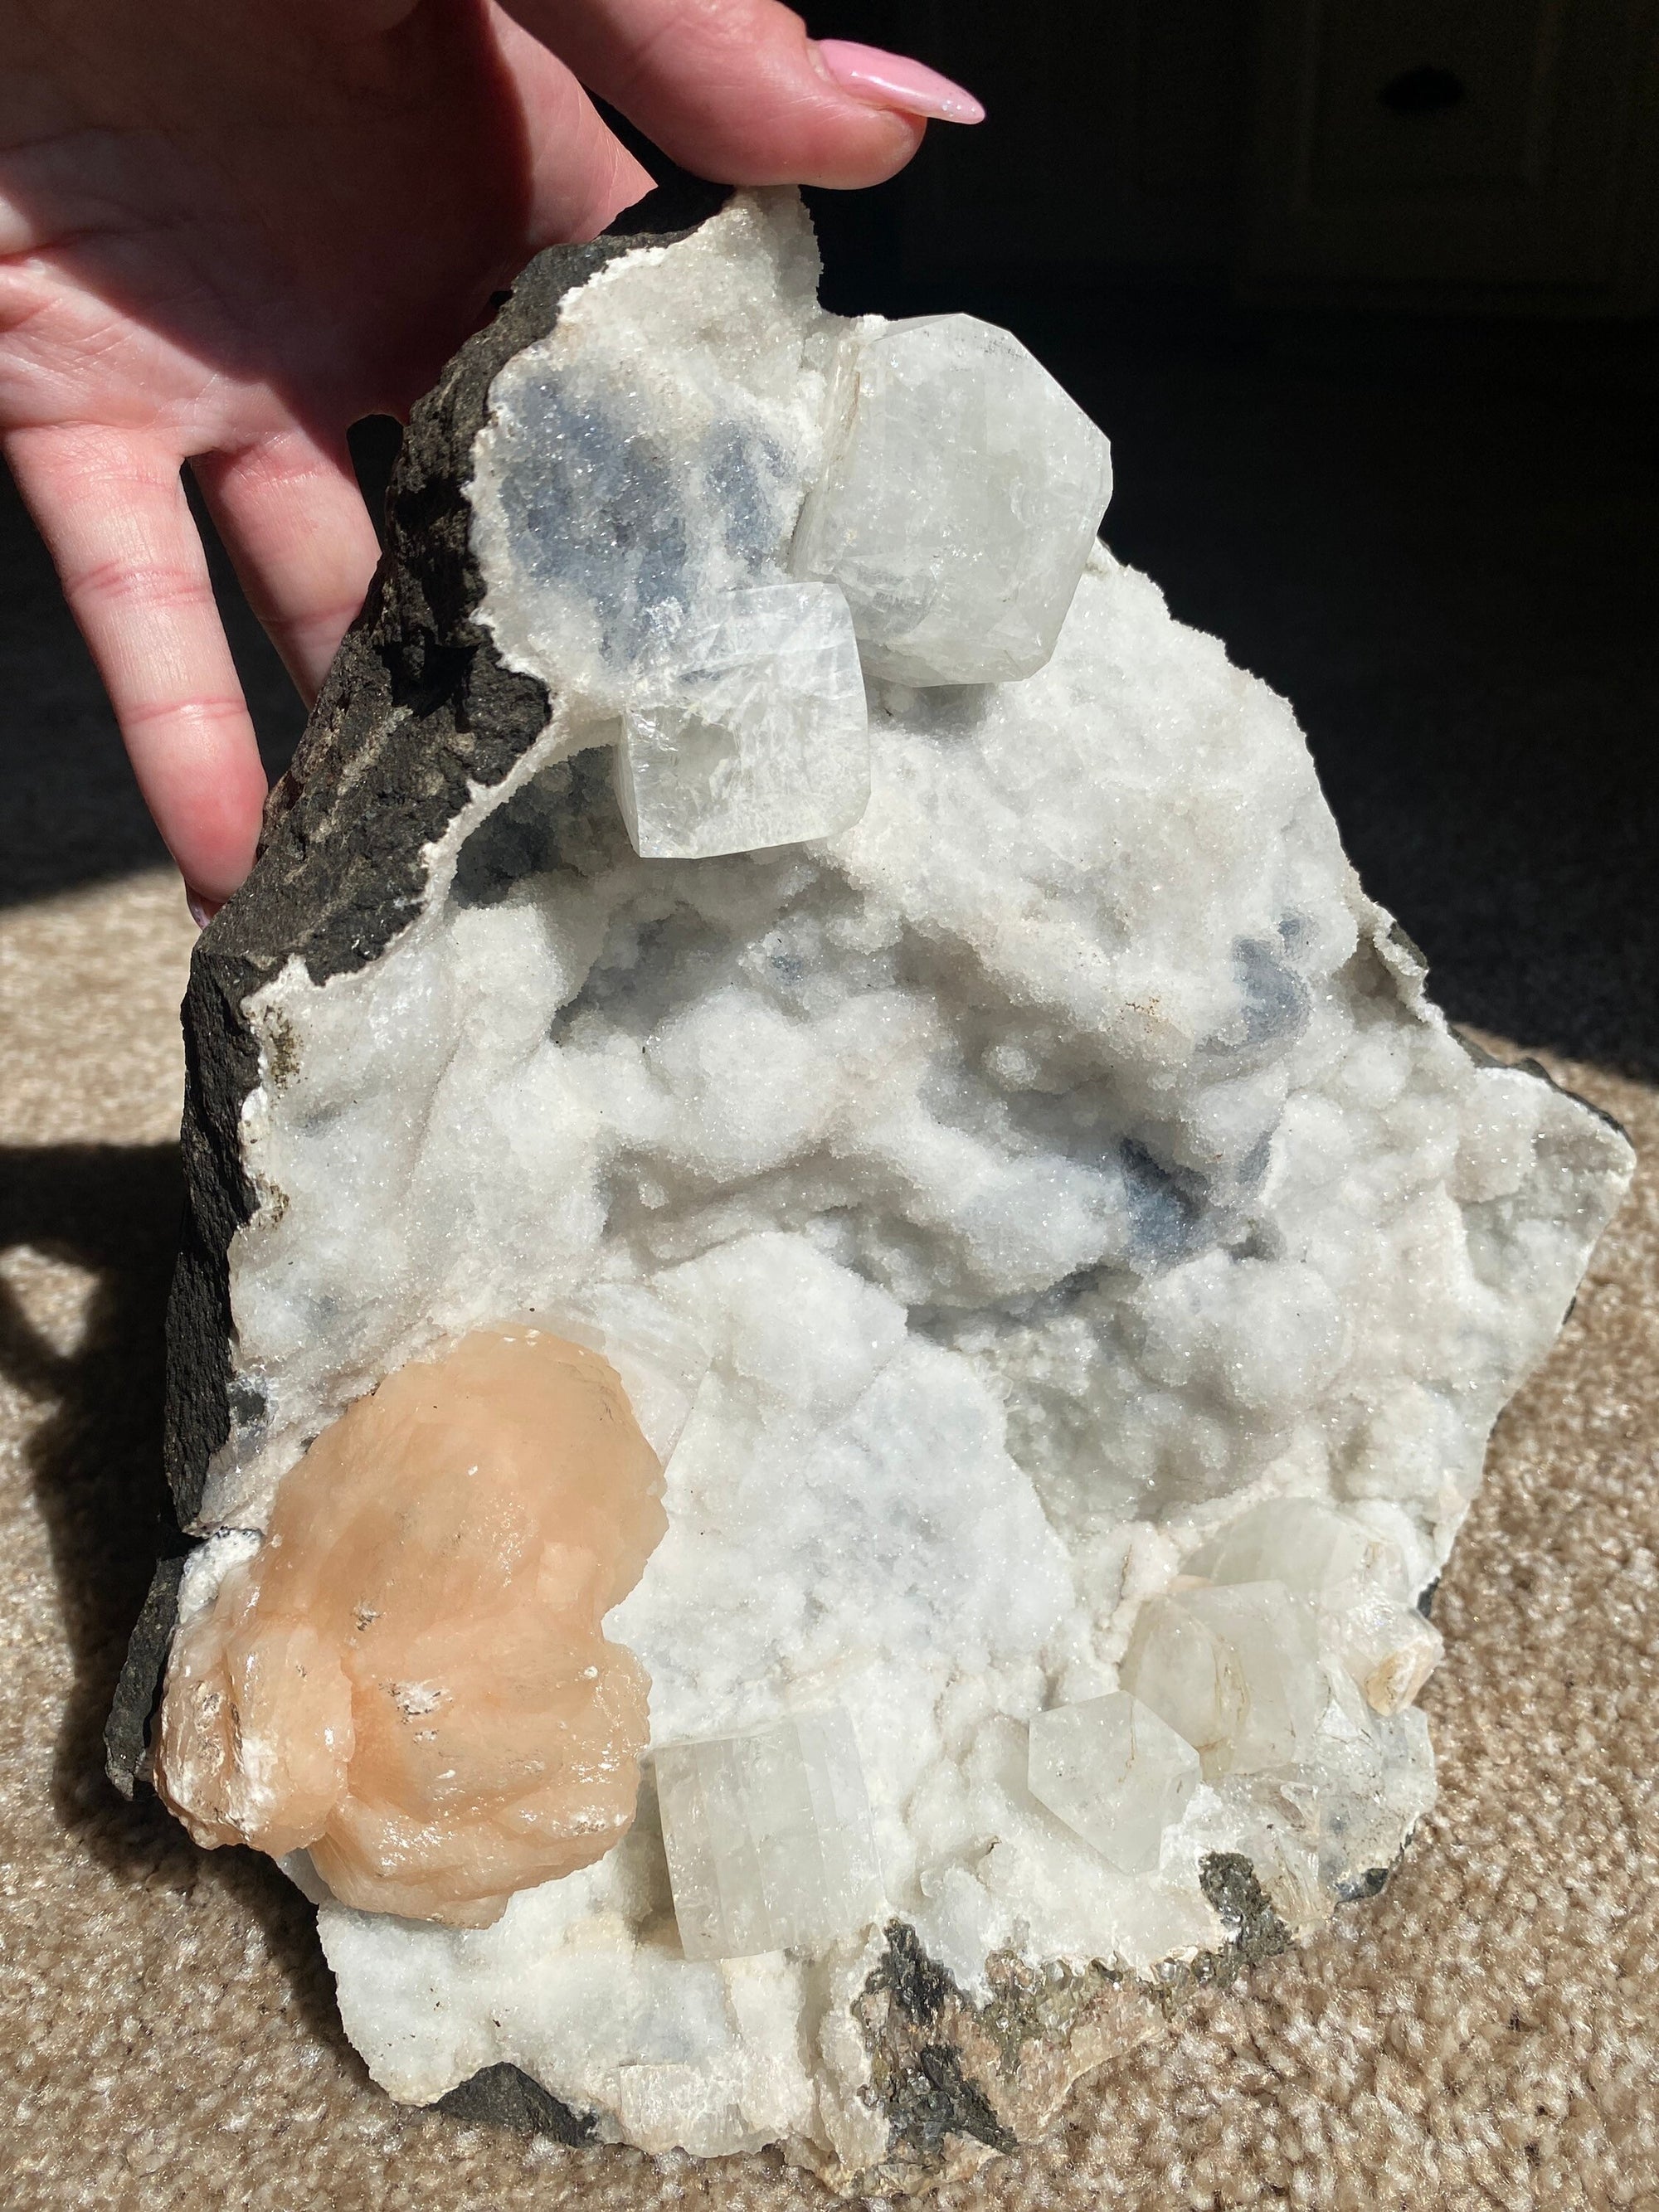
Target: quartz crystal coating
1113, 1771
959, 502
769, 1839
1064, 1259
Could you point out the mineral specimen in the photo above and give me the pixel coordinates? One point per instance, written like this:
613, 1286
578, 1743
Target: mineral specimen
408, 1677
1091, 1265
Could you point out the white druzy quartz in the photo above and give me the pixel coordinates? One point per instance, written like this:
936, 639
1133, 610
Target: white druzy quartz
1098, 1265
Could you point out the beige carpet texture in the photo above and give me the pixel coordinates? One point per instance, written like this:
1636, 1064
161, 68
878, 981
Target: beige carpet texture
1484, 2034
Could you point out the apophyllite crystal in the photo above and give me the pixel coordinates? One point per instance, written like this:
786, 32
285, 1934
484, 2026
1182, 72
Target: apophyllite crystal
767, 1838
1114, 1773
768, 903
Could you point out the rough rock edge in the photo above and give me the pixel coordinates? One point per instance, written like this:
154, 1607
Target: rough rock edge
504, 2097
417, 707
961, 2081
125, 1751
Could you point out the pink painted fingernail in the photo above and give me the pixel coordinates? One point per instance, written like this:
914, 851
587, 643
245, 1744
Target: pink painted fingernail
894, 80
201, 910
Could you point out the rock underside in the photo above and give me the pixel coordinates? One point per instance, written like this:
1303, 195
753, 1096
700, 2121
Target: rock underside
767, 899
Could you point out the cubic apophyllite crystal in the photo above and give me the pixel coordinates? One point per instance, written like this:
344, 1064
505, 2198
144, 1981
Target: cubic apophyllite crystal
767, 902
760, 735
1114, 1773
767, 1838
960, 499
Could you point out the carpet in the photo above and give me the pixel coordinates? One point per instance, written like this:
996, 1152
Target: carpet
1486, 2033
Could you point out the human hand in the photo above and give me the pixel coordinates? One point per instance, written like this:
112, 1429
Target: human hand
229, 229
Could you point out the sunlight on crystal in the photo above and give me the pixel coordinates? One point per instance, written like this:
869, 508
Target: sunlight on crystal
960, 506
761, 736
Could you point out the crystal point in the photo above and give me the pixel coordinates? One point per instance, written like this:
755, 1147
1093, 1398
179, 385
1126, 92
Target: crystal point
1233, 1669
1320, 1554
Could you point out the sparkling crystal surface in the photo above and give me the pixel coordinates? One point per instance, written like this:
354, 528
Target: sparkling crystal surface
1235, 1670
759, 736
769, 1838
1113, 1771
959, 505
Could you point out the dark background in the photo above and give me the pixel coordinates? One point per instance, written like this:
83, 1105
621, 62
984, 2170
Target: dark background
1363, 296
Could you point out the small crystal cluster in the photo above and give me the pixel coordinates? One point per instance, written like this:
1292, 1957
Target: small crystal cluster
959, 490
408, 1678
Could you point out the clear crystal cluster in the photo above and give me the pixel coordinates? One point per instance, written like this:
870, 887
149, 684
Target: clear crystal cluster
1096, 1264
769, 1839
957, 492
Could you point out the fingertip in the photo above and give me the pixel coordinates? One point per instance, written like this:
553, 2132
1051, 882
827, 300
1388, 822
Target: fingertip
627, 185
733, 90
208, 805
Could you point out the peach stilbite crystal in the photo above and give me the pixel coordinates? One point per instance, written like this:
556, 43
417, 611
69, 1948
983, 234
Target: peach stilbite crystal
409, 1678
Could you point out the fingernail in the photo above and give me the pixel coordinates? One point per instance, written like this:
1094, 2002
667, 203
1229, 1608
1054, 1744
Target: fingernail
894, 80
201, 910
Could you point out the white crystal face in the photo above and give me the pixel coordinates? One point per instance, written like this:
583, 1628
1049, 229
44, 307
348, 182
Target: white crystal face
1234, 1670
1355, 1578
1113, 1771
959, 505
1052, 1169
769, 1838
1324, 1556
759, 736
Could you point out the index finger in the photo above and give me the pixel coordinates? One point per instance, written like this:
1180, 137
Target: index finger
732, 89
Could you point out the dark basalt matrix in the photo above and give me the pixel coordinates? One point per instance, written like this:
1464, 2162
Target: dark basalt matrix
775, 938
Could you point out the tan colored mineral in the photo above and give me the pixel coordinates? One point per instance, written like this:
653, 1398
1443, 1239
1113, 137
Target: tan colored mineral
409, 1678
